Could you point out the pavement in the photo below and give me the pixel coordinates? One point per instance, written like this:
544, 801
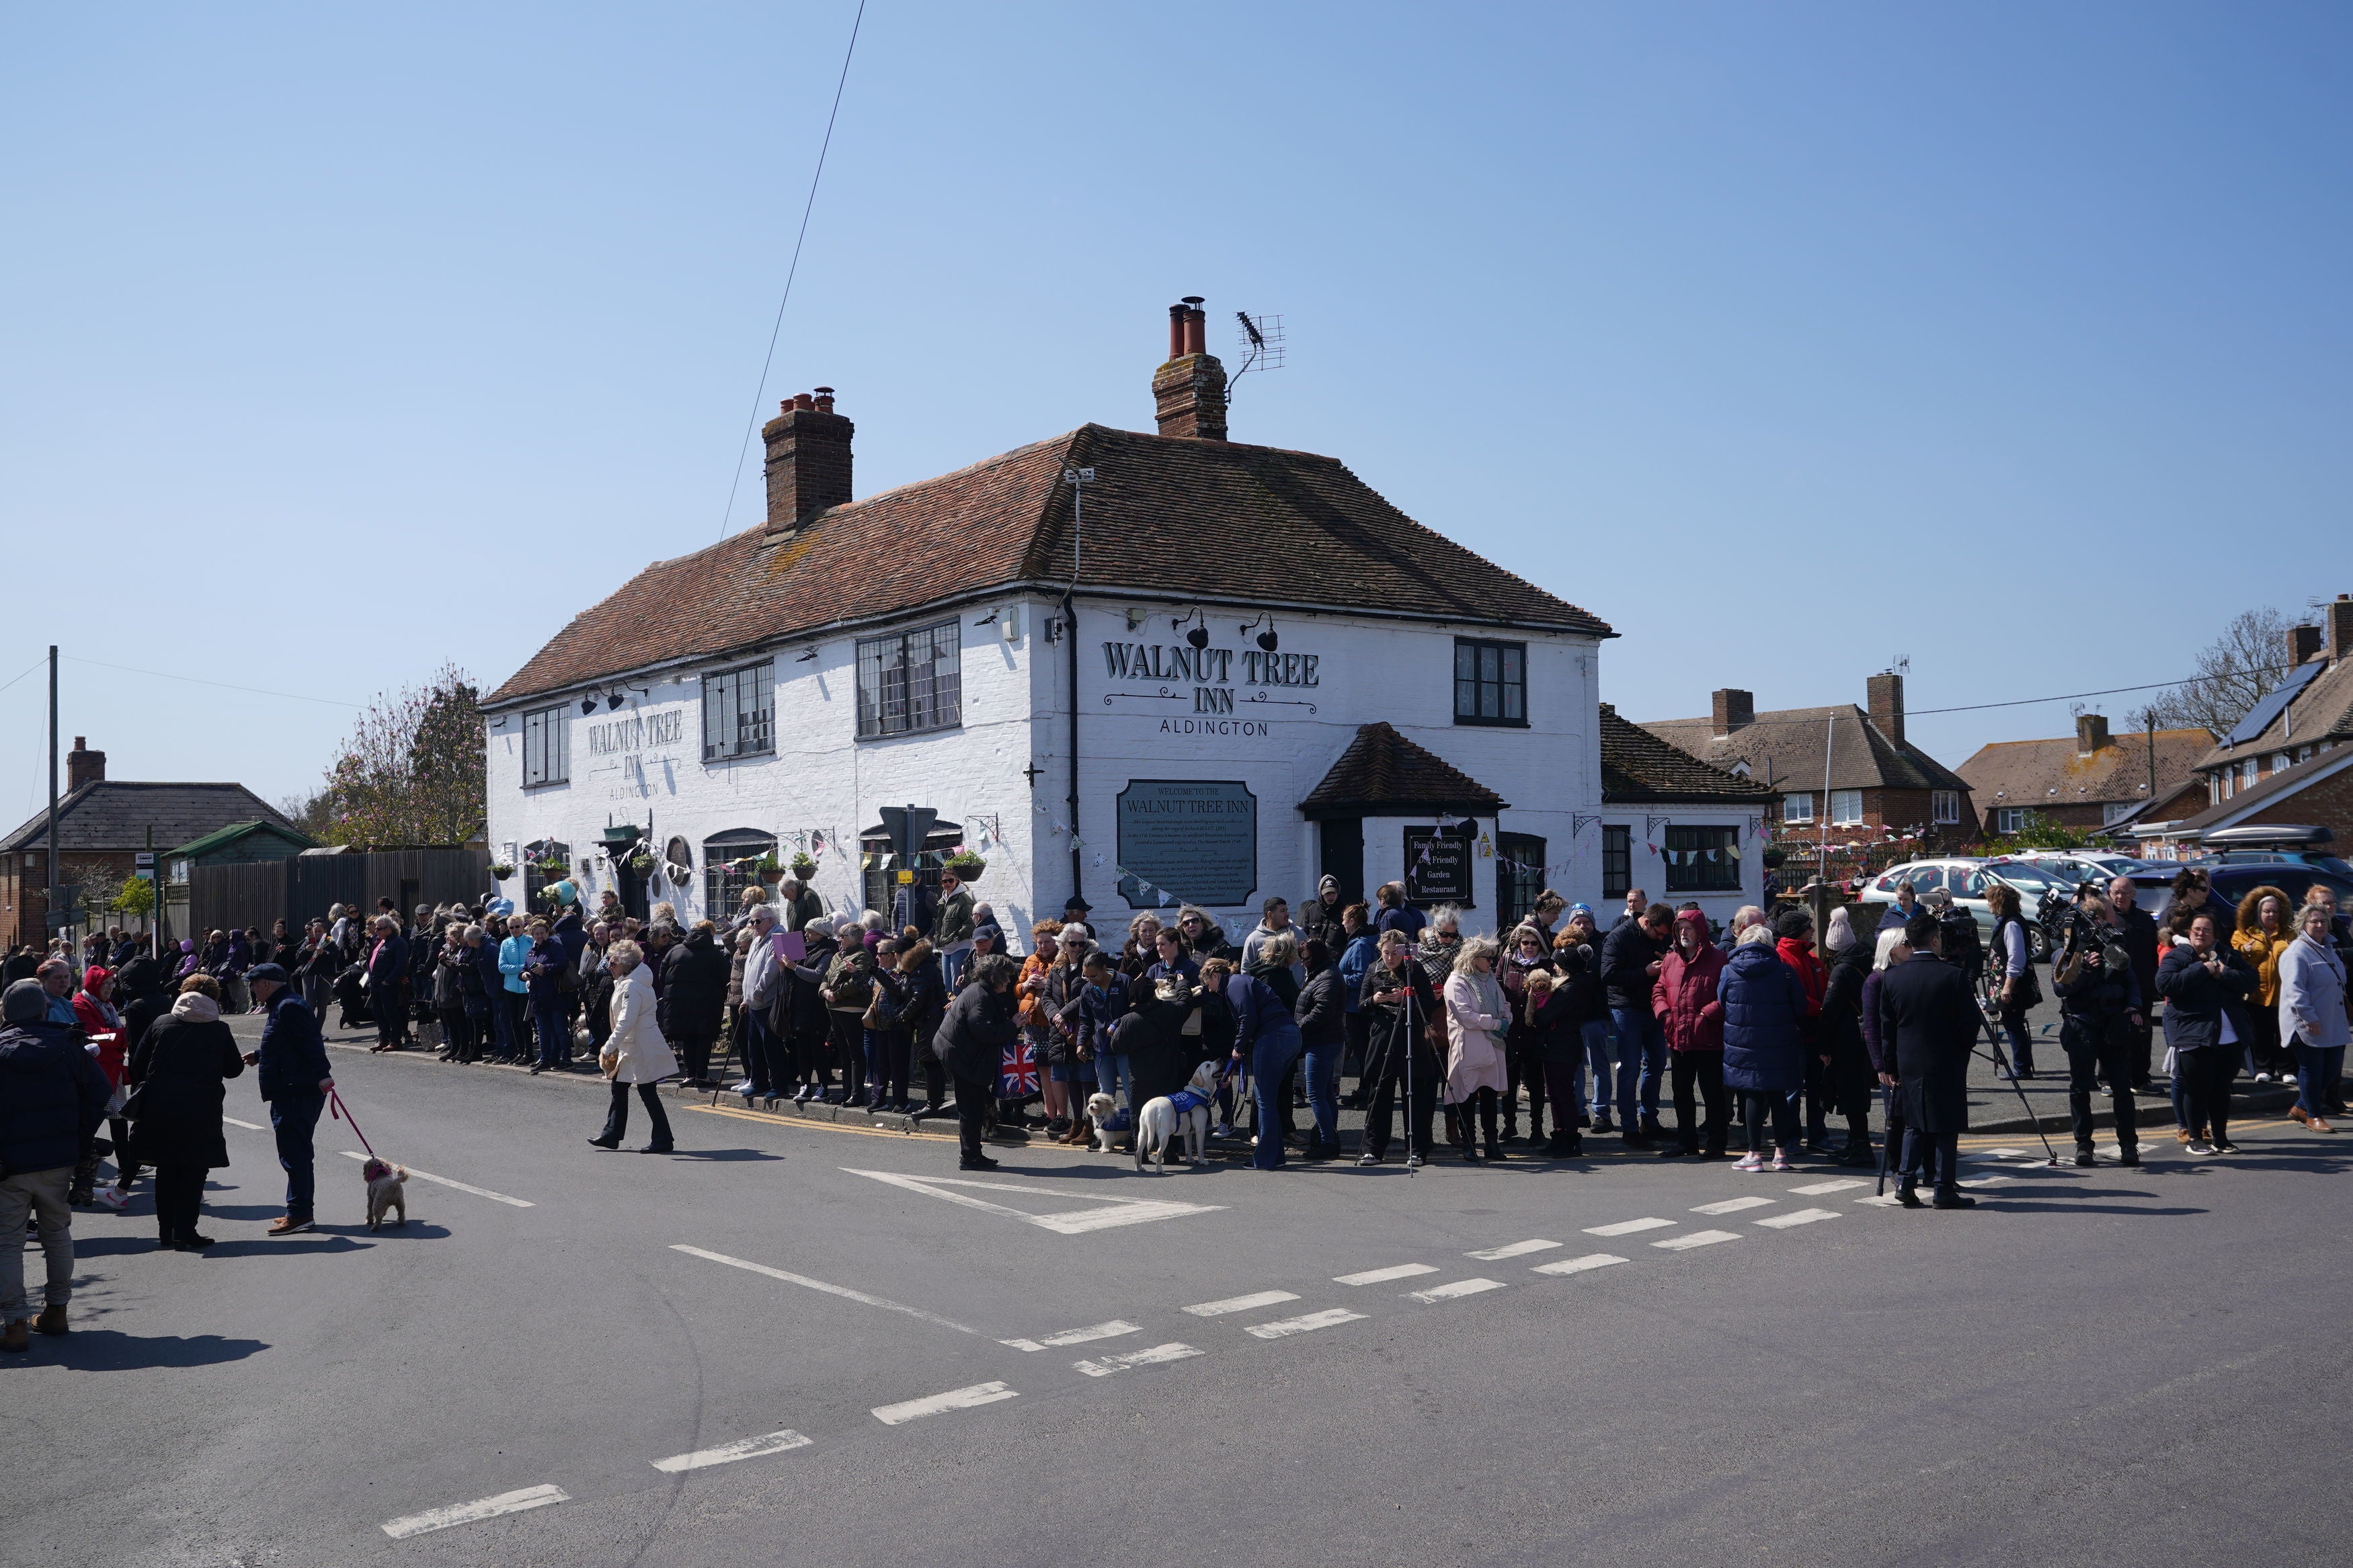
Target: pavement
818, 1342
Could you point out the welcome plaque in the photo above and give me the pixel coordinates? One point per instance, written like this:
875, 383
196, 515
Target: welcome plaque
1194, 838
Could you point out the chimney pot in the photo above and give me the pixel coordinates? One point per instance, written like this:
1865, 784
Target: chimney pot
808, 467
2091, 733
1734, 710
1175, 332
1886, 703
1197, 331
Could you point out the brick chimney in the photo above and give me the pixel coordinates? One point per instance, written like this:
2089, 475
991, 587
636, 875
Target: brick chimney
84, 765
1886, 691
2091, 733
1188, 392
1735, 709
808, 461
2340, 626
2303, 642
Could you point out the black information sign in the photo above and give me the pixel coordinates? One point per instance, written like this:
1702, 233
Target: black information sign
1437, 867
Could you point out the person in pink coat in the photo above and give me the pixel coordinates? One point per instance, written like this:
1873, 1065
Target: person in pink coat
1683, 999
1477, 1014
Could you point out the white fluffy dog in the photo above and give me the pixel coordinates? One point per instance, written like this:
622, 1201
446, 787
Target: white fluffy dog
1100, 1108
1187, 1110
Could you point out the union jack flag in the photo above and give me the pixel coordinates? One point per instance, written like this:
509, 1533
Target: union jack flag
1018, 1077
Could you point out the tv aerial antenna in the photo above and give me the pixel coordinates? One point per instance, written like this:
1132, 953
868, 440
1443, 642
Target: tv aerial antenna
1262, 344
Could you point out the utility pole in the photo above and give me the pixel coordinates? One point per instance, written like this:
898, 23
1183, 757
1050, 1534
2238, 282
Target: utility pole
50, 913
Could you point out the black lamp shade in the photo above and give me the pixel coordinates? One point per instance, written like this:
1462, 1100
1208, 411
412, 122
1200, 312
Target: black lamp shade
1198, 636
1267, 640
587, 705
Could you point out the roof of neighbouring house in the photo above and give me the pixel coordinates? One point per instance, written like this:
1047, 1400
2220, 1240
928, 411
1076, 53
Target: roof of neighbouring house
116, 814
1784, 747
222, 838
2265, 791
2056, 773
1166, 516
1637, 767
2321, 706
1382, 774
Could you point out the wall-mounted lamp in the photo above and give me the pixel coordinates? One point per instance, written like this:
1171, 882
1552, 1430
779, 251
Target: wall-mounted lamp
1200, 636
1266, 639
807, 656
612, 701
587, 706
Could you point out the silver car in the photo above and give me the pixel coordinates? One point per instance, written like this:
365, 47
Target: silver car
1967, 881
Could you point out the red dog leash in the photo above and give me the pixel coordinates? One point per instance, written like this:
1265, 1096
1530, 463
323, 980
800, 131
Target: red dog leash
336, 1106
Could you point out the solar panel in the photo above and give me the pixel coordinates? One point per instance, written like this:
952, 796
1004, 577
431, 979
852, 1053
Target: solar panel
2259, 718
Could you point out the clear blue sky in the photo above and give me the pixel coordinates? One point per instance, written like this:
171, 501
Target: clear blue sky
343, 341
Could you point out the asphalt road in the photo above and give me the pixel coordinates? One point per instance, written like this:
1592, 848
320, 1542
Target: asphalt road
2091, 1367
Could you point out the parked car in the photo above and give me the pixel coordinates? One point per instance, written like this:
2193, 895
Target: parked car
1965, 880
2087, 862
2270, 844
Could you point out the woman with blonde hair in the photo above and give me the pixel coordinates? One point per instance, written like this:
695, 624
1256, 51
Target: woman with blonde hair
2264, 932
1477, 1014
635, 1054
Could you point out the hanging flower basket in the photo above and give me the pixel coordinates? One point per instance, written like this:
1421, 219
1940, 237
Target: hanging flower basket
501, 871
770, 872
803, 867
966, 866
552, 869
640, 864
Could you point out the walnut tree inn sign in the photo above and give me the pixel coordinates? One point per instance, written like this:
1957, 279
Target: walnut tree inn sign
1210, 673
1195, 838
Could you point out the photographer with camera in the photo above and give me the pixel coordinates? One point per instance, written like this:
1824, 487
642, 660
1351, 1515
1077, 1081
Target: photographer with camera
2100, 1020
2010, 976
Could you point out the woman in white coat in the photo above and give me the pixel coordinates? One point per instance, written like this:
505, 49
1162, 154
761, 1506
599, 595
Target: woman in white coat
635, 1052
2312, 1015
1477, 1014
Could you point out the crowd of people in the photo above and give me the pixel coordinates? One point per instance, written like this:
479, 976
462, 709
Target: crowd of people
1768, 1028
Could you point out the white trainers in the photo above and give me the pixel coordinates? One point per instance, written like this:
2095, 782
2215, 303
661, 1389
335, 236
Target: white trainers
1780, 1160
112, 1197
1750, 1162
2203, 1147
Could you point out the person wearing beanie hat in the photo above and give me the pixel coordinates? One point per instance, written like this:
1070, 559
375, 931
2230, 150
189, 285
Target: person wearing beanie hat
52, 1099
1318, 918
1796, 931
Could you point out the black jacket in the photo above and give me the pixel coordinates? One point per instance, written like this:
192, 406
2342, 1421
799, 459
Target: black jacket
2139, 936
2197, 1000
293, 1057
1925, 1010
1393, 1033
52, 1096
695, 989
972, 1039
181, 1069
1321, 1009
1626, 954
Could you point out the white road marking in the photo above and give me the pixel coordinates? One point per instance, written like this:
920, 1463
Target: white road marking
841, 1291
1383, 1276
1697, 1238
1241, 1303
248, 1126
1517, 1249
1577, 1265
728, 1453
1843, 1185
1884, 1201
1997, 1154
468, 1513
1109, 1330
954, 1399
1285, 1326
444, 1180
1172, 1350
1986, 1181
1453, 1289
1734, 1205
1803, 1216
1628, 1227
1069, 1222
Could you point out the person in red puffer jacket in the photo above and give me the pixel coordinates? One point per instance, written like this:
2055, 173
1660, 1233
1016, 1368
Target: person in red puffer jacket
1796, 931
94, 1010
1684, 1001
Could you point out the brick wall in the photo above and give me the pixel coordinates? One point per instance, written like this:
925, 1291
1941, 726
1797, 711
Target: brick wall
2329, 803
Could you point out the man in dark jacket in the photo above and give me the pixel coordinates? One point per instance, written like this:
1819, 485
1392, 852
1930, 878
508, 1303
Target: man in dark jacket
52, 1099
387, 983
2137, 931
295, 1080
979, 1027
1632, 957
694, 1001
1925, 1010
2100, 1002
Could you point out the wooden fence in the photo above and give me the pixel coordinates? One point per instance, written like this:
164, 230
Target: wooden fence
302, 887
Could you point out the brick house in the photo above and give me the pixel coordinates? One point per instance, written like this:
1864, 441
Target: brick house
2308, 714
2092, 779
102, 826
1876, 779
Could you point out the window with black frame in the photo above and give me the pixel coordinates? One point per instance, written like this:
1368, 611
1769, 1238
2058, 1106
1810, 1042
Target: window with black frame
1617, 859
727, 868
1702, 859
1519, 877
739, 712
1491, 682
911, 681
544, 756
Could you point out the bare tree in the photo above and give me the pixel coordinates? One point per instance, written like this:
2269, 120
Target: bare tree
2234, 670
410, 774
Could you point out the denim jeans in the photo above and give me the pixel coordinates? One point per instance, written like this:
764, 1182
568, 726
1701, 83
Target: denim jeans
2317, 1068
1641, 1062
1271, 1058
292, 1120
1597, 1061
502, 1024
1111, 1074
554, 1033
1321, 1065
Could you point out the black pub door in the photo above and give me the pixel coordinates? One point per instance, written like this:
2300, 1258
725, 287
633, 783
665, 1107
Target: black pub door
1343, 841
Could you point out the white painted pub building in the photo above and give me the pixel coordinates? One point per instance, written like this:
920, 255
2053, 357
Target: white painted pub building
1160, 668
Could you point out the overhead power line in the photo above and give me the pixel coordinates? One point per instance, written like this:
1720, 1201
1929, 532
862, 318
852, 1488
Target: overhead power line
2019, 701
760, 397
194, 680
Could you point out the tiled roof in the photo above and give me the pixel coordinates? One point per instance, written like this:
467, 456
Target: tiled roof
1639, 767
115, 813
2053, 772
1383, 774
1786, 747
2265, 791
1165, 515
2324, 709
